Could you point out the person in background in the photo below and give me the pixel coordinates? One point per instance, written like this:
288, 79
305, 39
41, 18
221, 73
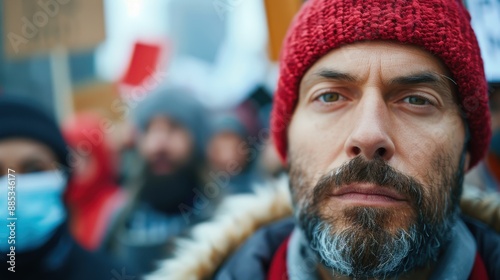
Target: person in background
380, 110
93, 196
482, 184
229, 154
165, 180
34, 155
486, 176
268, 162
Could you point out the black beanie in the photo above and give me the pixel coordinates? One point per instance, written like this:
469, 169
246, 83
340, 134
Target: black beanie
20, 117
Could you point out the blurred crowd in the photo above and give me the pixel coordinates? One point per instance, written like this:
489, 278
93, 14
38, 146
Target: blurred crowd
102, 196
126, 190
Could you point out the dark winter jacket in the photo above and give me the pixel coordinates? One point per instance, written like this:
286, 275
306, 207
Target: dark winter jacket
61, 258
253, 259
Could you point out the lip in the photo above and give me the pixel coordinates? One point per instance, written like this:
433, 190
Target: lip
368, 194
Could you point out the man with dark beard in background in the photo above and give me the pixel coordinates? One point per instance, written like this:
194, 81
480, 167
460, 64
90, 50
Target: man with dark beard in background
164, 177
380, 109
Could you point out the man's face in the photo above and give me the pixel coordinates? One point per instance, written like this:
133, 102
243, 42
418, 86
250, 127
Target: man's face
375, 148
166, 146
495, 109
25, 156
224, 151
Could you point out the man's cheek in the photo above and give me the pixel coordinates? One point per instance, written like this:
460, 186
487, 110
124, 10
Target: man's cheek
419, 150
414, 155
424, 144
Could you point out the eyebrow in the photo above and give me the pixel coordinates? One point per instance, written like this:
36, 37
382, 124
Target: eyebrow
32, 160
435, 80
335, 75
418, 78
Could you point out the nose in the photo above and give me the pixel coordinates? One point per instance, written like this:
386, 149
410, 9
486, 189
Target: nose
156, 142
370, 136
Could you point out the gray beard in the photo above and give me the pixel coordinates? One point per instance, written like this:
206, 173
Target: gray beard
366, 250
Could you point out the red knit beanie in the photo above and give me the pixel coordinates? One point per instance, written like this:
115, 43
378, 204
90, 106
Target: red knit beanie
442, 27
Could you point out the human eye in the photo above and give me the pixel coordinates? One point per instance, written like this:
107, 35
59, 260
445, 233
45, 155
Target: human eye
330, 97
32, 167
417, 100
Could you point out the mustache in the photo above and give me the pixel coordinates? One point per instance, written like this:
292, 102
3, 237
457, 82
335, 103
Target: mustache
163, 156
376, 171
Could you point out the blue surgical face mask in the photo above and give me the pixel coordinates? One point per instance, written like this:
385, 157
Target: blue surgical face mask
39, 209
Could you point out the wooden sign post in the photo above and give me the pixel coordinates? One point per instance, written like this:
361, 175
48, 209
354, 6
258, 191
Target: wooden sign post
55, 27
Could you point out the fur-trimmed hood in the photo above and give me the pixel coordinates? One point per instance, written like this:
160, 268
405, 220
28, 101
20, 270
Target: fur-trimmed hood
239, 216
